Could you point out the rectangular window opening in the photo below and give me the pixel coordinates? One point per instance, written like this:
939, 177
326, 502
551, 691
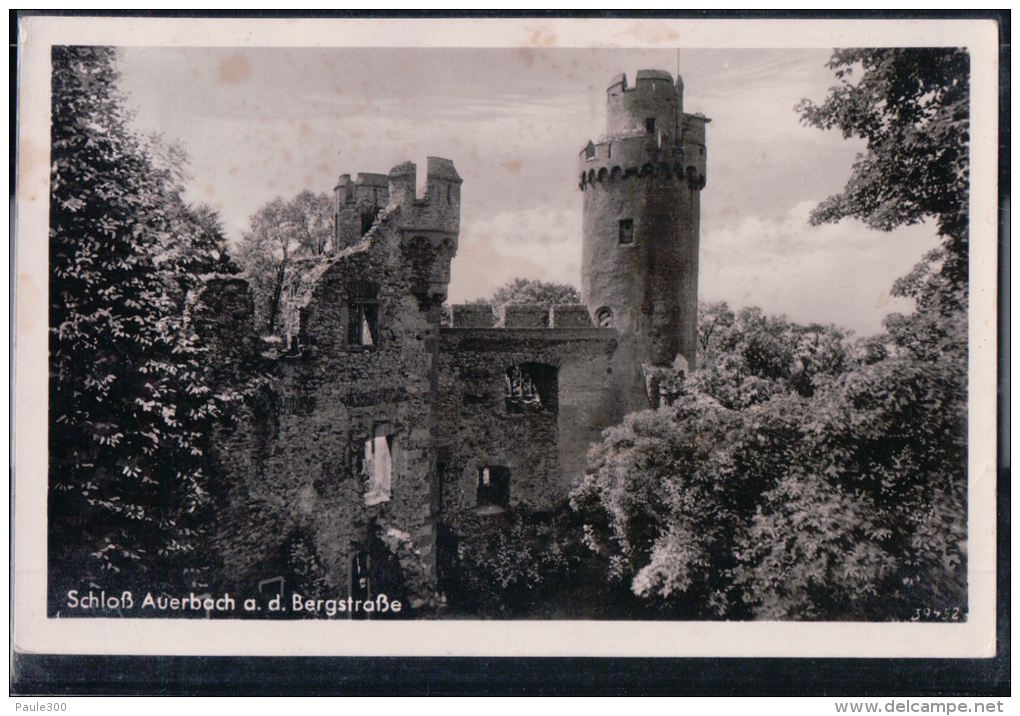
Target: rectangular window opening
363, 324
368, 219
626, 231
377, 466
493, 488
650, 125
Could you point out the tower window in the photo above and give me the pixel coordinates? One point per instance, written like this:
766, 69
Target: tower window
650, 125
604, 317
494, 487
626, 231
367, 219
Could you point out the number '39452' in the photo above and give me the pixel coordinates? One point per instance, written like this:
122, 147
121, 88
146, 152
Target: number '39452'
929, 614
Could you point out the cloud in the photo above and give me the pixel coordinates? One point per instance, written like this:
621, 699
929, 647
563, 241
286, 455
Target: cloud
540, 243
513, 123
833, 273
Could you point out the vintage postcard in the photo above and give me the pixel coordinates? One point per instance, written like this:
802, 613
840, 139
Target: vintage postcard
506, 337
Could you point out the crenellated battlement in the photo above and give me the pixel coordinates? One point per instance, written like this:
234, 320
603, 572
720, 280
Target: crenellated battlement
644, 81
663, 153
520, 315
429, 226
442, 189
361, 183
654, 104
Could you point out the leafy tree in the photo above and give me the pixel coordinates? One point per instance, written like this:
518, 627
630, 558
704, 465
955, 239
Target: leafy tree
911, 106
871, 515
312, 216
279, 232
748, 357
528, 290
842, 501
513, 564
669, 495
130, 402
800, 476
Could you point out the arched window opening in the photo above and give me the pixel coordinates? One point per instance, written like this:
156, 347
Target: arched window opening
604, 317
531, 387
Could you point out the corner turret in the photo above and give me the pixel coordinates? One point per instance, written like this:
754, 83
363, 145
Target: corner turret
429, 226
357, 204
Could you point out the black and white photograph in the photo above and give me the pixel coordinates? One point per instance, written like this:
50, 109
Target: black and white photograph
638, 332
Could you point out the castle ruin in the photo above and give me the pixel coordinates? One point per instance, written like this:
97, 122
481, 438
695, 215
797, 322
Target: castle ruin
382, 420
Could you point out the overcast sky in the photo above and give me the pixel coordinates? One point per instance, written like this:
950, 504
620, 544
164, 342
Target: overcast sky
261, 123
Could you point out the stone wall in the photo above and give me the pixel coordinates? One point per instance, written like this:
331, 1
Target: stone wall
543, 446
297, 468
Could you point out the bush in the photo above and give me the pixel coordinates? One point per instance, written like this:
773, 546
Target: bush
512, 564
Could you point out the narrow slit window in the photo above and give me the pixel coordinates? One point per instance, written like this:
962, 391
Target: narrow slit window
378, 467
626, 231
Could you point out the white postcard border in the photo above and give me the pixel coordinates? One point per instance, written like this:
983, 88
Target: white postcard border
35, 633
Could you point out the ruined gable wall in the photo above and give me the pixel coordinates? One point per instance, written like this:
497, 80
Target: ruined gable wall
327, 397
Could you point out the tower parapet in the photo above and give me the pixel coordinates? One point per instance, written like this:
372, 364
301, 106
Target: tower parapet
647, 133
641, 183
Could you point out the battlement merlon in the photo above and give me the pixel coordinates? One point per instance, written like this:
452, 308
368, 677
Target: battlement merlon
438, 212
365, 189
527, 315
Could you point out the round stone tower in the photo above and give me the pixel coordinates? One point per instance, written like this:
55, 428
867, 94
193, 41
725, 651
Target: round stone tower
641, 184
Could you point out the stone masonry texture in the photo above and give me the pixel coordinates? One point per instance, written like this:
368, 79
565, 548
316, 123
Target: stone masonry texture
364, 353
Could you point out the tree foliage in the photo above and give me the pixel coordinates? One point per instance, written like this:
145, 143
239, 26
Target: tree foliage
748, 357
528, 290
911, 106
512, 565
764, 493
279, 231
131, 405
